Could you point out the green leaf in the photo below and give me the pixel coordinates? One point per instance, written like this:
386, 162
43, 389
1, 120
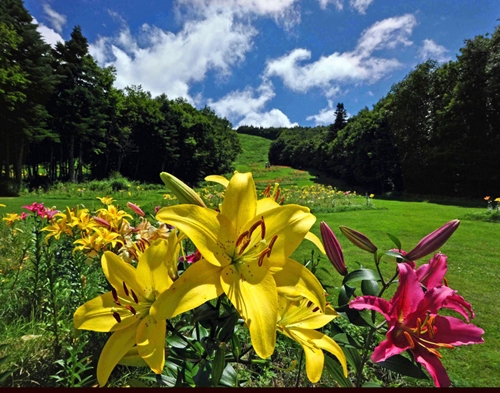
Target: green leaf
218, 364
370, 287
346, 291
230, 378
394, 254
334, 368
395, 240
352, 357
236, 346
403, 366
359, 275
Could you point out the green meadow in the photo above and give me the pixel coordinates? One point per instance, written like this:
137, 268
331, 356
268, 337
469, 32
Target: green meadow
473, 256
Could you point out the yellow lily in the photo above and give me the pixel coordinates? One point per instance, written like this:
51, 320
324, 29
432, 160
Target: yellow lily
298, 320
125, 310
245, 248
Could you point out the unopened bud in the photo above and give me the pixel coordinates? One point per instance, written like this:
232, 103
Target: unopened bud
136, 209
181, 190
332, 248
433, 241
358, 239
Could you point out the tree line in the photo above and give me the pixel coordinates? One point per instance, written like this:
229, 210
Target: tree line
436, 132
61, 116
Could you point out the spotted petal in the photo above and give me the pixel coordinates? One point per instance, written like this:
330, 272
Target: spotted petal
256, 300
150, 340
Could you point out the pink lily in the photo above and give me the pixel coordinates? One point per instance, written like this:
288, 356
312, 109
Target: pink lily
414, 323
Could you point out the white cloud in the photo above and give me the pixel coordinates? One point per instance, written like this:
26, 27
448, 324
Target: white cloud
164, 62
273, 118
325, 116
360, 5
285, 12
339, 4
356, 66
246, 107
50, 36
431, 50
56, 19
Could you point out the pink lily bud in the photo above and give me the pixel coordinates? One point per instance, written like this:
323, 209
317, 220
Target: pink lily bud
433, 241
332, 248
136, 209
102, 221
358, 239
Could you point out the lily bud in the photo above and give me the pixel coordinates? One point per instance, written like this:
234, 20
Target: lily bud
101, 221
358, 239
181, 190
332, 248
136, 209
433, 241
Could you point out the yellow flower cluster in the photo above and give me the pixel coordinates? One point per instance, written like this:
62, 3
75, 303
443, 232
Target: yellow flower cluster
109, 229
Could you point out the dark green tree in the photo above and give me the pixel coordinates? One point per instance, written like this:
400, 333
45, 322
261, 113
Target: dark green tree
27, 81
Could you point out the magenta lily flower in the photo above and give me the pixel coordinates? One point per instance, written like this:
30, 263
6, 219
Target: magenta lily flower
414, 323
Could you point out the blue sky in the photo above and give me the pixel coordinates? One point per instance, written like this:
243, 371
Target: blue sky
268, 63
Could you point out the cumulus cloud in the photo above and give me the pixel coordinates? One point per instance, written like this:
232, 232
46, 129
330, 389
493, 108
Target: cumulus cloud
50, 36
356, 66
215, 35
164, 62
246, 107
56, 19
432, 50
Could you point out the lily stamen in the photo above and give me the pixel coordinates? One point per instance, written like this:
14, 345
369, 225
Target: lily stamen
409, 339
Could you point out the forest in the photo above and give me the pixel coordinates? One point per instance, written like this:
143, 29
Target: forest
61, 118
436, 132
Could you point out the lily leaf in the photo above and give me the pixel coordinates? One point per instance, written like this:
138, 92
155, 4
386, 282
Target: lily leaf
334, 368
403, 366
370, 287
395, 240
359, 275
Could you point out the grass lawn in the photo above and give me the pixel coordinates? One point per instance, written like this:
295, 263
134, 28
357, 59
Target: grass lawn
473, 251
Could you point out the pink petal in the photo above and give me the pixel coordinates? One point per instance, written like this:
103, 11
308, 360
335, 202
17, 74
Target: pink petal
433, 365
372, 303
431, 274
454, 331
409, 292
389, 347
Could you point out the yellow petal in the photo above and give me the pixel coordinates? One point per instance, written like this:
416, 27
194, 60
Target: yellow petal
240, 200
315, 240
150, 341
117, 271
257, 303
97, 315
291, 223
294, 279
218, 179
315, 359
265, 204
198, 284
115, 349
201, 225
324, 342
153, 268
132, 358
